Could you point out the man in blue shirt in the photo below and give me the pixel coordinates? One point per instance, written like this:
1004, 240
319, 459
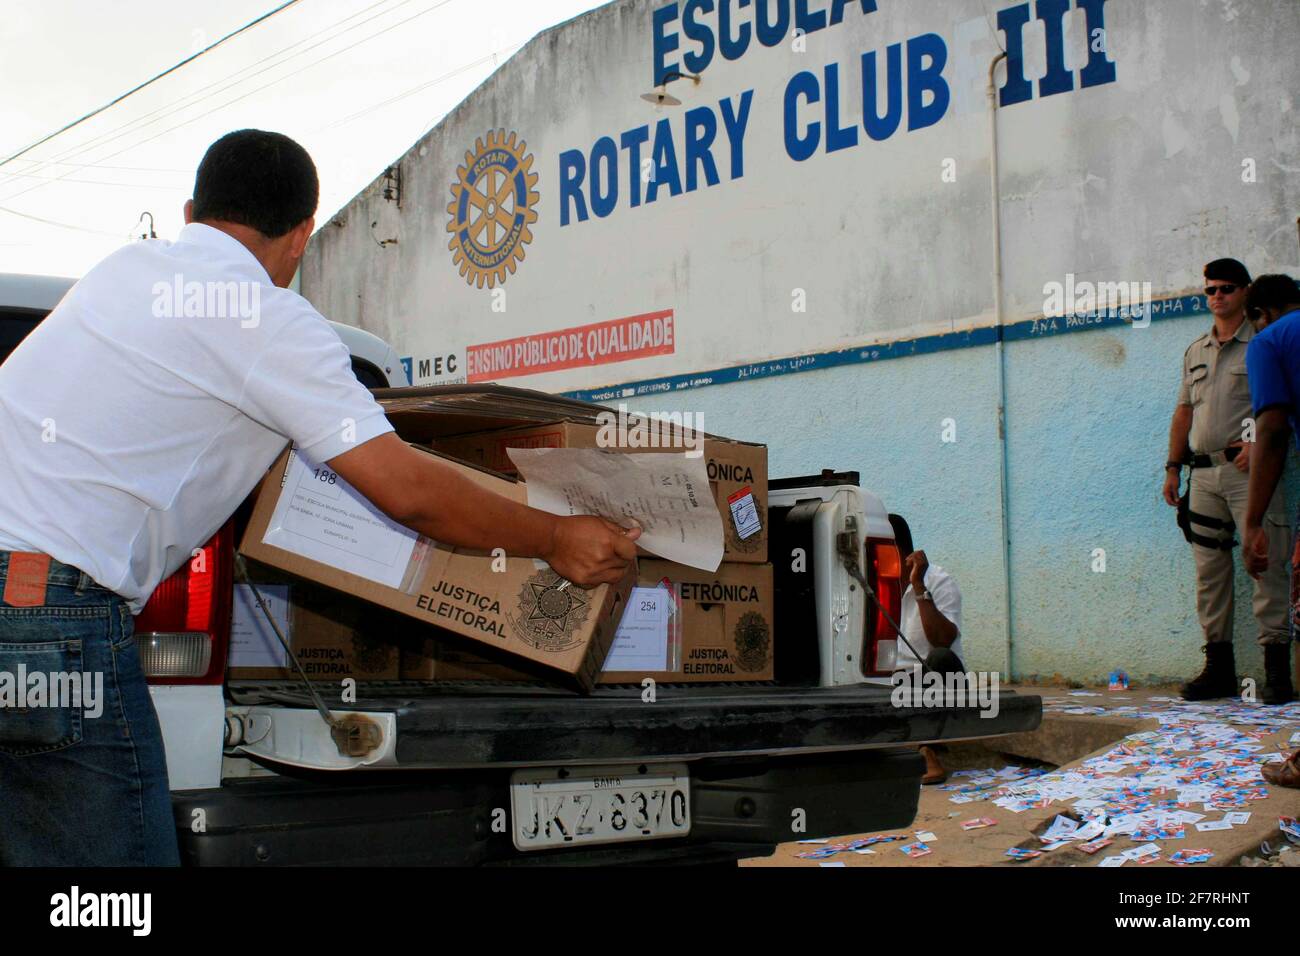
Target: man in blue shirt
1273, 371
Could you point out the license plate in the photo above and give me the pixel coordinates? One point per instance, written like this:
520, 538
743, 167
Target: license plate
573, 805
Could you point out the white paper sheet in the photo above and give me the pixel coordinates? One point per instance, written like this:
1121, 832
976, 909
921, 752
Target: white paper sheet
1089, 831
321, 517
641, 641
252, 641
667, 494
1145, 850
1062, 828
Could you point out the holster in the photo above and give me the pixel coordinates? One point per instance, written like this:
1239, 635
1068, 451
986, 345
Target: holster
1187, 517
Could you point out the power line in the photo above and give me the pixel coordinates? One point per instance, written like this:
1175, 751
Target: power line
366, 39
423, 86
388, 102
61, 225
244, 96
148, 82
178, 104
138, 169
437, 6
92, 182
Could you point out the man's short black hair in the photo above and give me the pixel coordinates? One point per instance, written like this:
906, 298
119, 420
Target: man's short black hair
1228, 270
262, 180
1272, 292
902, 534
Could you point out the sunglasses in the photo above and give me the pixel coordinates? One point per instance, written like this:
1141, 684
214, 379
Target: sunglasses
1213, 290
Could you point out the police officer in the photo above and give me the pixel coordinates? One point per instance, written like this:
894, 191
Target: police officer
1208, 433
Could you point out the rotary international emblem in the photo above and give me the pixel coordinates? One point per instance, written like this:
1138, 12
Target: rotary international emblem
492, 206
550, 612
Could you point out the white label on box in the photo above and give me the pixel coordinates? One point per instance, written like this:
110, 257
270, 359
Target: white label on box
252, 641
321, 517
744, 513
641, 641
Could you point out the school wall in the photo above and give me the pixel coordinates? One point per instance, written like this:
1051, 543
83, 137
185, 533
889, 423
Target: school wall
1188, 154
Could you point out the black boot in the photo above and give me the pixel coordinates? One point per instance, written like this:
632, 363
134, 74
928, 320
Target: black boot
1277, 674
1219, 679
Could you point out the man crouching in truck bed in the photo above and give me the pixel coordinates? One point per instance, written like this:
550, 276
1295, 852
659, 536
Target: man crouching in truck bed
128, 435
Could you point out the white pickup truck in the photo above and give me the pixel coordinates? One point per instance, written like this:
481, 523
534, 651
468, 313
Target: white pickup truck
260, 778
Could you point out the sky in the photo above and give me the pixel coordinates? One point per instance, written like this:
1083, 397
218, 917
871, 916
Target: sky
355, 81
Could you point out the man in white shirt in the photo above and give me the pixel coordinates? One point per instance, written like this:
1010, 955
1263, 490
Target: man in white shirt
930, 619
133, 421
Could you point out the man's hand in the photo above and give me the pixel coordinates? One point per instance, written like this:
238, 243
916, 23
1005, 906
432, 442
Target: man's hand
1254, 550
590, 551
429, 496
1171, 487
1242, 461
916, 564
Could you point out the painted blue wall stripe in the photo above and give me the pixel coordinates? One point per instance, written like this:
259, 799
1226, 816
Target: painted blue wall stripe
1039, 328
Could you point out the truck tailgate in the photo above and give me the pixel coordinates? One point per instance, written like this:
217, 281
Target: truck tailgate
498, 725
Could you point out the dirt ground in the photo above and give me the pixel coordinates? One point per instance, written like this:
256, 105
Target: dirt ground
953, 846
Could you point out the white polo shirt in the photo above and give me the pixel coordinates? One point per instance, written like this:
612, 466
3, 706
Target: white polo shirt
148, 404
947, 600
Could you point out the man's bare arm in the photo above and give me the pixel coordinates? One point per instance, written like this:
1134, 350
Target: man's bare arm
419, 491
939, 631
1272, 435
1179, 428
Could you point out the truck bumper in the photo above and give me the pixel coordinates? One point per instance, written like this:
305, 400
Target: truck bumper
740, 808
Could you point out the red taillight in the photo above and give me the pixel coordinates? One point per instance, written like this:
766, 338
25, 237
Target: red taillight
885, 572
184, 629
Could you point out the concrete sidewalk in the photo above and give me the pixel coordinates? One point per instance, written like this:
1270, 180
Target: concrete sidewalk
1079, 726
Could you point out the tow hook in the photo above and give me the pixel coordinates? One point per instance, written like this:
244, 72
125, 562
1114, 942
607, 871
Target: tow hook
356, 735
246, 729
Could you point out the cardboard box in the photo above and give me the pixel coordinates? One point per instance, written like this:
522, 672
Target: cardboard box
445, 659
735, 469
333, 636
722, 632
517, 605
726, 625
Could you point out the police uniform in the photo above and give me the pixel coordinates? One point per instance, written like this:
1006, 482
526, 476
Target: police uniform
1214, 385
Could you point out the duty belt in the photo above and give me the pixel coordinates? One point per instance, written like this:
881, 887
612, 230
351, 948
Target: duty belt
1214, 459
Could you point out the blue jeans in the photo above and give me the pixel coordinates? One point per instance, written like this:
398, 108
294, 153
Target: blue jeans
83, 775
